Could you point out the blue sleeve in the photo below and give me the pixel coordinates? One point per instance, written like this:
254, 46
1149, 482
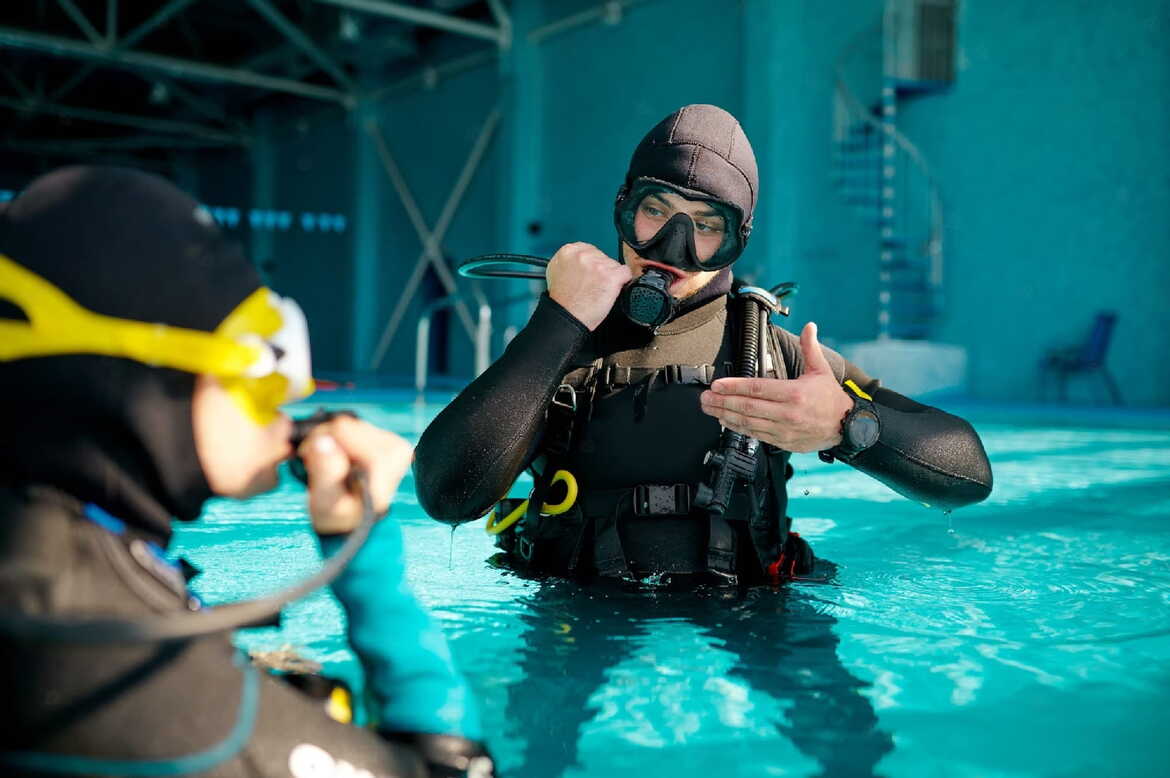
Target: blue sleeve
410, 675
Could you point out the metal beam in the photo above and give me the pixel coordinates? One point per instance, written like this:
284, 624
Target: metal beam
132, 38
111, 21
81, 21
153, 23
180, 68
123, 120
285, 56
302, 42
278, 56
421, 17
17, 84
200, 105
131, 143
429, 75
432, 240
503, 21
609, 12
97, 157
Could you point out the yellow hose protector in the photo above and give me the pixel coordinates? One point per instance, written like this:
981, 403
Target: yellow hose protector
496, 526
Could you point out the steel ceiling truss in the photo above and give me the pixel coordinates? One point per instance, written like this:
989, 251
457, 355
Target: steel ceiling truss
107, 48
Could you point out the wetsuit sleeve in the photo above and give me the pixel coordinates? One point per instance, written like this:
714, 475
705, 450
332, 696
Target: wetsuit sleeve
923, 453
471, 453
409, 673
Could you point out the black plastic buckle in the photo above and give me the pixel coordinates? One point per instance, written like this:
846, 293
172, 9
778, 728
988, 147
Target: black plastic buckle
524, 548
662, 500
615, 377
690, 374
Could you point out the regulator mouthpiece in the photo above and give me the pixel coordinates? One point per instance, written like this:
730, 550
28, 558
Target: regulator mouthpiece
647, 301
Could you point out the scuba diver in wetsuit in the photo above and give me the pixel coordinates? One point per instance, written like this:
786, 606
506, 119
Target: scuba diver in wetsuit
142, 364
621, 380
619, 385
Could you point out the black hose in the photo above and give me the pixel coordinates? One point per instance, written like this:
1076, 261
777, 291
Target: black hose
183, 625
748, 362
485, 266
749, 350
735, 459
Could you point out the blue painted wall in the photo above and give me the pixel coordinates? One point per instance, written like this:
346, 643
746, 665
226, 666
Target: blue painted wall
607, 86
804, 231
1050, 148
1052, 151
600, 88
312, 172
430, 134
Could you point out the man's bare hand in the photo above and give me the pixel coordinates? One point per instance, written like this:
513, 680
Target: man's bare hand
585, 282
801, 414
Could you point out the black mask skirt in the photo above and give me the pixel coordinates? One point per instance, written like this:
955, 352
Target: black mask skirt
674, 242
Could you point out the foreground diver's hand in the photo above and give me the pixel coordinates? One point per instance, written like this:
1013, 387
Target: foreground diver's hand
798, 415
585, 282
331, 451
449, 756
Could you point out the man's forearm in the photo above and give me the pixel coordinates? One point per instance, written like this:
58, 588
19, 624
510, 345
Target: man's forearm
926, 454
472, 452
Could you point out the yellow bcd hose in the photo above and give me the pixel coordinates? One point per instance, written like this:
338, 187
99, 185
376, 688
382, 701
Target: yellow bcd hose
496, 526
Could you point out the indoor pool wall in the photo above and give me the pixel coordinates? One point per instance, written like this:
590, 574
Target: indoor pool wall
1025, 636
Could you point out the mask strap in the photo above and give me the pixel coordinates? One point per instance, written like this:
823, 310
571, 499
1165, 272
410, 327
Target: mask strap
57, 325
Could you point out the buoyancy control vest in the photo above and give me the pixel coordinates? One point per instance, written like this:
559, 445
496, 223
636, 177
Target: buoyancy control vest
627, 423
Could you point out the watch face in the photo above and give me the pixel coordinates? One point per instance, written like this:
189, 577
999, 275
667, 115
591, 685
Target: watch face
863, 431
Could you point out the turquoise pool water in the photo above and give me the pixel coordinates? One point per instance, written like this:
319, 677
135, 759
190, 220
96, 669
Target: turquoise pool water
1026, 636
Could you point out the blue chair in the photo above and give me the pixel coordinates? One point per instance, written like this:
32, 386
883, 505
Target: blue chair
1088, 357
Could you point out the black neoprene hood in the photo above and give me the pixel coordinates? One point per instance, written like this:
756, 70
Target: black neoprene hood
104, 429
701, 151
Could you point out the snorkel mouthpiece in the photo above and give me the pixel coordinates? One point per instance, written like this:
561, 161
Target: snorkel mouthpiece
647, 301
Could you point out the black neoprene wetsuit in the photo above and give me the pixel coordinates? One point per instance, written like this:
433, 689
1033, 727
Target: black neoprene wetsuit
97, 458
648, 429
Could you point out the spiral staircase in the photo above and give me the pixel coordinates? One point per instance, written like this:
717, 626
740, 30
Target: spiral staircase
908, 54
880, 172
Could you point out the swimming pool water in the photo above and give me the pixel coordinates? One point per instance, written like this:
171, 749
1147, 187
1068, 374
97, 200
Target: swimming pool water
1025, 636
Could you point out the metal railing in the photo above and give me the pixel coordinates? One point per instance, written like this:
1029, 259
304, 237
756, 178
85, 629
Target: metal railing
483, 331
482, 340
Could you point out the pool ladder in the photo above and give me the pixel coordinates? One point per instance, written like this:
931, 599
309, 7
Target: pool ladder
482, 339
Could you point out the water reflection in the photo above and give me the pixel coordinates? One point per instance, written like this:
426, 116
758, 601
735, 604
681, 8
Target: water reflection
781, 645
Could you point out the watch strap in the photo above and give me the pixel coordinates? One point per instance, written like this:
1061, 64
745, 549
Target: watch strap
861, 402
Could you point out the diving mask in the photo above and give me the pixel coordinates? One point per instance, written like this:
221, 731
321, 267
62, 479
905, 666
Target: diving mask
260, 352
659, 222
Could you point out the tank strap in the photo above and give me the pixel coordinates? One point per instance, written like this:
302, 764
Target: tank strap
774, 366
604, 508
721, 549
608, 555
